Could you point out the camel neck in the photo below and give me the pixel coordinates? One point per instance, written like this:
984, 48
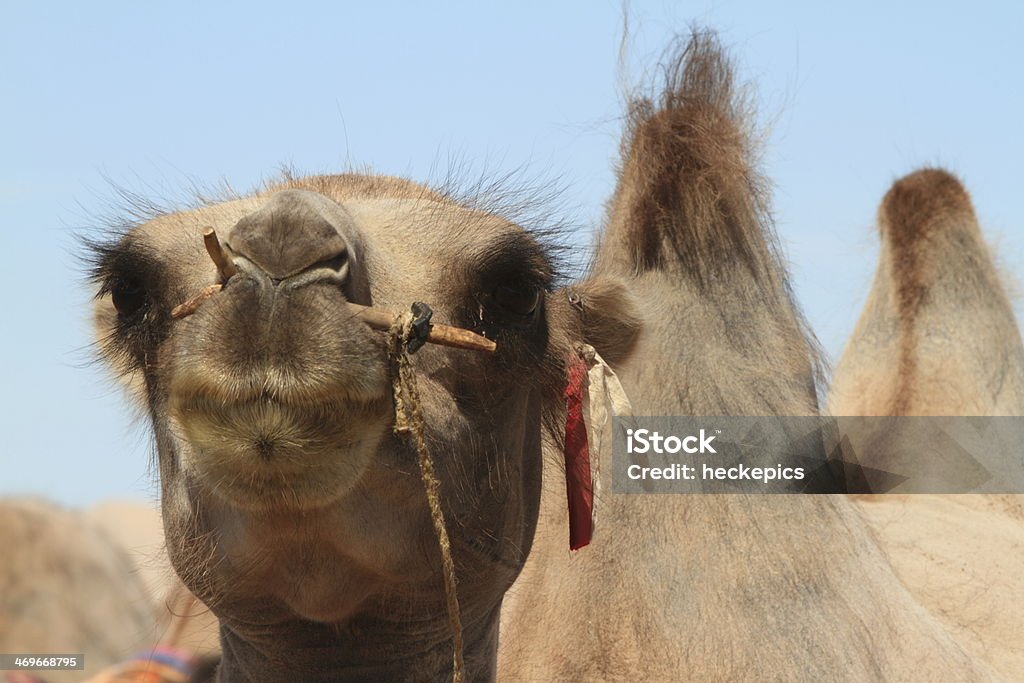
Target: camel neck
362, 650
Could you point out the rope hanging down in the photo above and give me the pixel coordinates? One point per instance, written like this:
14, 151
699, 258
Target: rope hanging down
402, 340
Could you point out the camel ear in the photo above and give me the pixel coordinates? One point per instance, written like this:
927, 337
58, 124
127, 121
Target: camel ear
608, 315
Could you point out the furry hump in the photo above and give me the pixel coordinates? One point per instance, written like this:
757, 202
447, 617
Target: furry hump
920, 203
920, 207
688, 197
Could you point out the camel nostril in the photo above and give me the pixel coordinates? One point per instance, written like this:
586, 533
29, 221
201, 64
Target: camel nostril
334, 270
337, 263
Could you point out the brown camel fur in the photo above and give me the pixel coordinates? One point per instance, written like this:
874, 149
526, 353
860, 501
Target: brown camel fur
937, 336
917, 348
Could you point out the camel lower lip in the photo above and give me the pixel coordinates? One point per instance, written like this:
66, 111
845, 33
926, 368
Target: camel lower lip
263, 453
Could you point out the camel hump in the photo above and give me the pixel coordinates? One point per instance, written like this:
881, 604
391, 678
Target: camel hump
922, 204
688, 197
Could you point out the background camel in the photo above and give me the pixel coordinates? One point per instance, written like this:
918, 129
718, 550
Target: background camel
937, 336
296, 513
94, 581
67, 586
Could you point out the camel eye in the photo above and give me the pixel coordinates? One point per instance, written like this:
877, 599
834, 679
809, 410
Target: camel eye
128, 296
519, 300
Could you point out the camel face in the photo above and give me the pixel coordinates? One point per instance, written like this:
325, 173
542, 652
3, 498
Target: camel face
285, 491
280, 397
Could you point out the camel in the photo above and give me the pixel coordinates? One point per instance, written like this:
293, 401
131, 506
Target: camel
296, 512
937, 336
93, 581
66, 586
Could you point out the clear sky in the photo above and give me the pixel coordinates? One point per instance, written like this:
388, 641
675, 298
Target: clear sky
160, 96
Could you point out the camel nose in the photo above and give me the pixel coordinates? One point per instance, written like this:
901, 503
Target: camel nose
300, 236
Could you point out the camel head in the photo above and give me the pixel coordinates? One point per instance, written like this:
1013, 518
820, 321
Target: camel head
287, 496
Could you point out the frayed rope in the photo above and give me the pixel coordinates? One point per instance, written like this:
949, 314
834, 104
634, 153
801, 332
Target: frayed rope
409, 420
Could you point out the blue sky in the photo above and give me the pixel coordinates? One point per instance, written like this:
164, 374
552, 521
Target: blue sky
160, 97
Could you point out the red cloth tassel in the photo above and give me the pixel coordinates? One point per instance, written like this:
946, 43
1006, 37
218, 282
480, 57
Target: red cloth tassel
579, 486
